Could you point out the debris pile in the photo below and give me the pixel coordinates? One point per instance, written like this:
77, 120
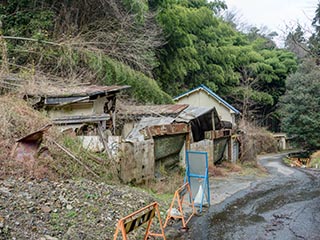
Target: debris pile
299, 162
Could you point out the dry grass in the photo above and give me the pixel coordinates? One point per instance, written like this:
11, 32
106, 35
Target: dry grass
315, 159
231, 167
18, 119
315, 155
38, 83
253, 168
224, 169
227, 168
216, 171
166, 185
254, 141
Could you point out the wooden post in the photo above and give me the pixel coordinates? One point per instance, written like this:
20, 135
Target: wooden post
229, 149
188, 138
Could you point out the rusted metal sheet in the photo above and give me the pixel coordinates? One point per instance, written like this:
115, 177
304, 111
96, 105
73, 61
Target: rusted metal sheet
26, 151
167, 109
160, 130
167, 149
223, 133
81, 119
26, 148
34, 136
191, 113
219, 148
137, 135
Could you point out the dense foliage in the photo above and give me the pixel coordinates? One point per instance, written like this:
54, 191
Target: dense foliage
159, 47
201, 48
301, 106
104, 42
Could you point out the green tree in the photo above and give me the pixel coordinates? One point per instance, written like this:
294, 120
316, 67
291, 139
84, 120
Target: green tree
194, 50
300, 106
262, 79
203, 49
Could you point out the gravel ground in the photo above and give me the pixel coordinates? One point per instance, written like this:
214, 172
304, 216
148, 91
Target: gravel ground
46, 210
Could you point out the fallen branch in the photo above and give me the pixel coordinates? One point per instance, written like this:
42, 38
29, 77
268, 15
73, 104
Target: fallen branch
74, 157
31, 39
96, 159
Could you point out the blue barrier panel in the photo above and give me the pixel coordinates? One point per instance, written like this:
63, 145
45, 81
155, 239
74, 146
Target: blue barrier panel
198, 178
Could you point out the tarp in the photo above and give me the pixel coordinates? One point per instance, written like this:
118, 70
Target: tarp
220, 146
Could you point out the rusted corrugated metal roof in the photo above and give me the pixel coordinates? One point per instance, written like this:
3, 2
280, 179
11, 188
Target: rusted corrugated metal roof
85, 90
166, 109
34, 136
81, 119
192, 113
136, 135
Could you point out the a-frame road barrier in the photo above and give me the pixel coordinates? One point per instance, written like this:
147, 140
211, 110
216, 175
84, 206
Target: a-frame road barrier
180, 204
135, 220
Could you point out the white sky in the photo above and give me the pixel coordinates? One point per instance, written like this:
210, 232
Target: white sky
275, 14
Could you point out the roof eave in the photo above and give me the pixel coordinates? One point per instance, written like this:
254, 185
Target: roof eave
212, 94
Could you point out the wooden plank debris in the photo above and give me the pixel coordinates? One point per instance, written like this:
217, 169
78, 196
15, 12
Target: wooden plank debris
68, 152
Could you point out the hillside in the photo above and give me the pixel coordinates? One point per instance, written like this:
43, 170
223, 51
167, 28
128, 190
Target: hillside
160, 48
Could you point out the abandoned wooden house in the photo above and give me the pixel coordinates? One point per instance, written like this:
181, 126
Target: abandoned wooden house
151, 138
157, 136
147, 138
202, 96
88, 110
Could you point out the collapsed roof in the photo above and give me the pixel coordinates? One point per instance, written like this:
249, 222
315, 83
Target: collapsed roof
201, 119
52, 95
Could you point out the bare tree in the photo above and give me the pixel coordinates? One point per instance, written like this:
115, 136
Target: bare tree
108, 26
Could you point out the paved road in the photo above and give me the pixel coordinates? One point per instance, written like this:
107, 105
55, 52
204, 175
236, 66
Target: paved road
284, 206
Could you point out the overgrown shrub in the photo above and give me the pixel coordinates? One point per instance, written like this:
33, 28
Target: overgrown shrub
315, 160
105, 42
143, 88
255, 140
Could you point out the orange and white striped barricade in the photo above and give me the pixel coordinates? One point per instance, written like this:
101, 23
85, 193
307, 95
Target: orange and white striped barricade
138, 218
179, 203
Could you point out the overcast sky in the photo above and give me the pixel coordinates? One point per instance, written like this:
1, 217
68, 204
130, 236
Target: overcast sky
275, 14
